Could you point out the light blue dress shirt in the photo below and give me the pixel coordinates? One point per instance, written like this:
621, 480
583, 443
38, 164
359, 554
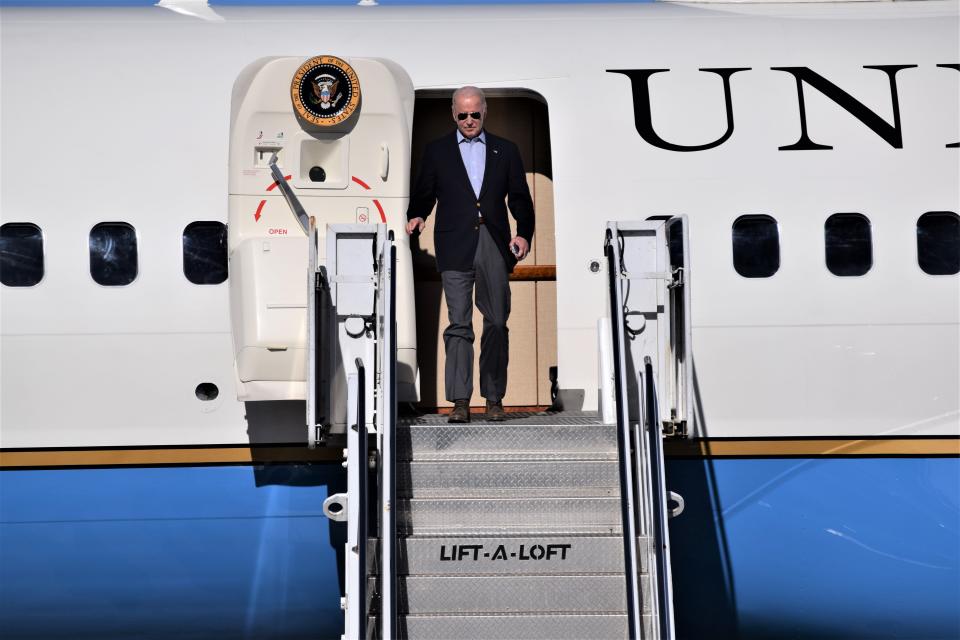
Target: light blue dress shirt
474, 154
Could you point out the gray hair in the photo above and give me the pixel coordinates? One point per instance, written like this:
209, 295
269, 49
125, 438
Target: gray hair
468, 90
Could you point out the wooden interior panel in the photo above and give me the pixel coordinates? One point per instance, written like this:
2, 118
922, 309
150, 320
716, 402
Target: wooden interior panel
545, 238
546, 338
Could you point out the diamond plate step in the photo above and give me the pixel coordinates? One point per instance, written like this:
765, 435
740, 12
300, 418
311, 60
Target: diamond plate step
489, 479
512, 418
476, 516
513, 594
517, 627
505, 441
511, 530
503, 555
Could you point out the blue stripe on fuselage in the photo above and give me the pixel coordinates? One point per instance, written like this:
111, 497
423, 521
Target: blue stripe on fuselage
205, 552
817, 548
767, 548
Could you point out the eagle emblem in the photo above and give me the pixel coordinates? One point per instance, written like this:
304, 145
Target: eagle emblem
325, 91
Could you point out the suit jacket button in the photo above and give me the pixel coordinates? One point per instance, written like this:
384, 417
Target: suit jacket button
478, 205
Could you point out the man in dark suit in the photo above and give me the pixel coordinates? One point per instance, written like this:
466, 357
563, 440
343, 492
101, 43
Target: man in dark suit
468, 173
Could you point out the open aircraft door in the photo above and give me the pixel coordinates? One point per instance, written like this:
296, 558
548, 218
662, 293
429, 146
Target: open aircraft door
333, 135
649, 281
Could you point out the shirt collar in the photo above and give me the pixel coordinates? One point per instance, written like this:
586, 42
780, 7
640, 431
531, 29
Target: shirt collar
482, 137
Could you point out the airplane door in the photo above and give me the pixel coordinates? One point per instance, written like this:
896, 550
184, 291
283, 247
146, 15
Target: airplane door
340, 132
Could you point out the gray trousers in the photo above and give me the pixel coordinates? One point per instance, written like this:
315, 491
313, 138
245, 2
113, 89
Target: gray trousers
490, 276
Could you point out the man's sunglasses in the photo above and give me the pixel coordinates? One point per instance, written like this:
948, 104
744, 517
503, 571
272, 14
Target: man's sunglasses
474, 114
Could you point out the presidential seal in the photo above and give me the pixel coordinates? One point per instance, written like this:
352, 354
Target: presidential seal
325, 91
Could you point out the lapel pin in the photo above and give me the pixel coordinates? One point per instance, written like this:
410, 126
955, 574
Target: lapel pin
496, 150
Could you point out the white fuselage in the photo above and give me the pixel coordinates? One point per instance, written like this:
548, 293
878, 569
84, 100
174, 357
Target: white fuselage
124, 115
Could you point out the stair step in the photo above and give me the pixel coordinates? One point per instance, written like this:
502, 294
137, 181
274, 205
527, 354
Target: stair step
506, 441
513, 594
517, 627
511, 555
557, 478
493, 516
512, 530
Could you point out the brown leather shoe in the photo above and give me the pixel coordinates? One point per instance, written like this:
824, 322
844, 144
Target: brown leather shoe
461, 411
495, 411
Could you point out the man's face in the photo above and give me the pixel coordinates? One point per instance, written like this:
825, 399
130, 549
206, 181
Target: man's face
469, 104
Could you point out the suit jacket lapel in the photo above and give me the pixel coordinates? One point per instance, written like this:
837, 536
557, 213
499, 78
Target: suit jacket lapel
493, 156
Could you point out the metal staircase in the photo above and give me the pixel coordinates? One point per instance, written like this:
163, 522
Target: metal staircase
547, 525
510, 530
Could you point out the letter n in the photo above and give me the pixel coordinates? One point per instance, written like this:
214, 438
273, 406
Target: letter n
890, 133
643, 119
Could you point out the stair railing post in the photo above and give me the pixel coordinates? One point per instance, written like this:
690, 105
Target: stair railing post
388, 425
626, 470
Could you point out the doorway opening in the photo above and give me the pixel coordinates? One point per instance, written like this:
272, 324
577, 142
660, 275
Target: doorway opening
519, 115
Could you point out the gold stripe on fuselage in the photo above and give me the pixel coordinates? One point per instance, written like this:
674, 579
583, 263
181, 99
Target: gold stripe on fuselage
695, 448
192, 456
813, 447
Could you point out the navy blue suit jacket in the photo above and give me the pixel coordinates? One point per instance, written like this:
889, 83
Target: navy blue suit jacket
443, 180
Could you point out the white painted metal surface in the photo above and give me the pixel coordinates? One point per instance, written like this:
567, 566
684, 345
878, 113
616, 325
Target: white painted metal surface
272, 154
815, 353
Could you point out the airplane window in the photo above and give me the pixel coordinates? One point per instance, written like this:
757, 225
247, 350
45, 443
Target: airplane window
938, 243
205, 252
113, 254
21, 254
756, 246
675, 242
849, 249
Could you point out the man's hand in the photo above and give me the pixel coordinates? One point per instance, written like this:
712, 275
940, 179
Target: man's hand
415, 224
519, 247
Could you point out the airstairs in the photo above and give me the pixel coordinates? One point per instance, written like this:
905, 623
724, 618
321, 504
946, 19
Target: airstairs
512, 530
550, 525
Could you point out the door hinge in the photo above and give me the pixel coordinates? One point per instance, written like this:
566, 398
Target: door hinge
677, 279
675, 428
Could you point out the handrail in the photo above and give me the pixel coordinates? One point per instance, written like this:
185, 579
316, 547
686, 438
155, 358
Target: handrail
388, 466
394, 592
318, 306
314, 338
623, 447
362, 458
658, 493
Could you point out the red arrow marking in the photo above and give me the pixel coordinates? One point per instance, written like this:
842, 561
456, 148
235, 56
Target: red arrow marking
273, 186
275, 183
383, 216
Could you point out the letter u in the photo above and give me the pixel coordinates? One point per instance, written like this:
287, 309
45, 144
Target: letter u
643, 119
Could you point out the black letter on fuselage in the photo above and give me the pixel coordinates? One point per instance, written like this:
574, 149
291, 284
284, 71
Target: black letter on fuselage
850, 104
952, 145
643, 120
